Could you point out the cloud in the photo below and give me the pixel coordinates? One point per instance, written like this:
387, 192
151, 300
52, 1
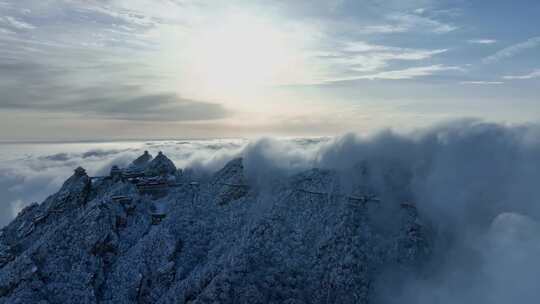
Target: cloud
486, 229
267, 160
475, 188
403, 22
48, 90
512, 50
100, 153
355, 57
408, 73
139, 27
482, 82
91, 70
390, 52
156, 107
91, 61
56, 157
531, 75
482, 41
385, 29
13, 23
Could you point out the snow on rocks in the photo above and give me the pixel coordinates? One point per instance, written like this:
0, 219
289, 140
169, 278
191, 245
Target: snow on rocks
230, 182
218, 240
141, 162
160, 166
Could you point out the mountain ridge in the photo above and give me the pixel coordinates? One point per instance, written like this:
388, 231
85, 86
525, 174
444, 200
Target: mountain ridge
158, 236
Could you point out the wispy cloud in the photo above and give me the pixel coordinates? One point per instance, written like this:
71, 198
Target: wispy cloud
533, 74
104, 101
385, 29
12, 23
482, 82
403, 22
363, 56
408, 73
357, 57
482, 41
513, 50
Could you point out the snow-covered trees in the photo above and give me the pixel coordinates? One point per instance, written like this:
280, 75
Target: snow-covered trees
219, 240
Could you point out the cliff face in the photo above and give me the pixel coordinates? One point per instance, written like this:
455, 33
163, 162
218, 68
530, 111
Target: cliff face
220, 240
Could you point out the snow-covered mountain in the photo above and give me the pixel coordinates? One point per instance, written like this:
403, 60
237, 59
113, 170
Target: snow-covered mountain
151, 233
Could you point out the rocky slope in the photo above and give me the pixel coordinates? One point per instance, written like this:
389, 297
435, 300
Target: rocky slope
303, 239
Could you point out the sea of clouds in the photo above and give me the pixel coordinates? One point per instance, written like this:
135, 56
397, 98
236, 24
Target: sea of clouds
30, 172
476, 184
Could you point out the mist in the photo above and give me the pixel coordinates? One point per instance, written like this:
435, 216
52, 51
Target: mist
474, 184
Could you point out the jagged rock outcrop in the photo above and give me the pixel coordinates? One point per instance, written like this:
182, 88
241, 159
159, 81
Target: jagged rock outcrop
230, 183
302, 240
141, 162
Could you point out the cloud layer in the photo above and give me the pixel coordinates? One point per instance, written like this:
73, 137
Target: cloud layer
474, 184
531, 75
513, 50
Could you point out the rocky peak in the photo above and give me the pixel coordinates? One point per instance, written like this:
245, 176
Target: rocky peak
80, 171
233, 172
75, 189
142, 161
79, 179
230, 182
161, 165
304, 242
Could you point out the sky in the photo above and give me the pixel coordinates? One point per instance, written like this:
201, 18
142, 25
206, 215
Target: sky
140, 69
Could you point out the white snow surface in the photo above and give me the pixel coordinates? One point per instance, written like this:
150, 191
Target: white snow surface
304, 239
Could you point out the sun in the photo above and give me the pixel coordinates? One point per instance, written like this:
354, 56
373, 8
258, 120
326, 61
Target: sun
239, 53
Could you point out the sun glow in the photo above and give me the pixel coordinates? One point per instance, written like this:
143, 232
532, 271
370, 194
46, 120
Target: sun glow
240, 53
